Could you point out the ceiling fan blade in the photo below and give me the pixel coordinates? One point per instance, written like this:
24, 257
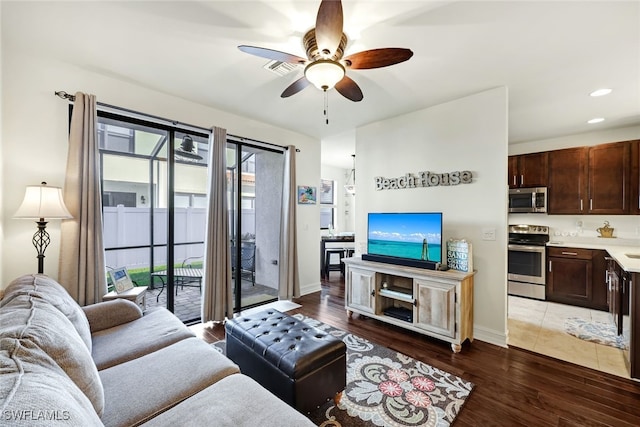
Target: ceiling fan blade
349, 89
272, 54
329, 26
295, 87
376, 58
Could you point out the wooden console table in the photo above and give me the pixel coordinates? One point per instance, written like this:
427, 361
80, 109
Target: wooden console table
431, 302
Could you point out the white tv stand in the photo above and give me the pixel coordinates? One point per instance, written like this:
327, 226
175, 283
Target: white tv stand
431, 302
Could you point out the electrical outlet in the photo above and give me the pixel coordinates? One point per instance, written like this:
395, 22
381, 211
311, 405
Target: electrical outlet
488, 234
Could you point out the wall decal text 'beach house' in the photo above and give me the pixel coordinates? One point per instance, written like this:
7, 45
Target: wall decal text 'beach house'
422, 179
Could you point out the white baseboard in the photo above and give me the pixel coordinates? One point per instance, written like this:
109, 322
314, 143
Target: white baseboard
490, 336
310, 288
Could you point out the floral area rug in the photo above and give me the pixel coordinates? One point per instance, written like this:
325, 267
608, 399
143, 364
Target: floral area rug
387, 388
598, 332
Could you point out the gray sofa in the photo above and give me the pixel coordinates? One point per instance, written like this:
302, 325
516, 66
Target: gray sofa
109, 364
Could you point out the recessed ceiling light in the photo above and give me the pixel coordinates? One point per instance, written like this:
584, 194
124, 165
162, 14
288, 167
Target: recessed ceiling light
596, 120
600, 92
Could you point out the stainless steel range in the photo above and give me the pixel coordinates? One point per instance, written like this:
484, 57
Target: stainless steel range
526, 260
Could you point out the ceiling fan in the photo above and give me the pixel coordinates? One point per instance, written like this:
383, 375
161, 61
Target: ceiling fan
325, 66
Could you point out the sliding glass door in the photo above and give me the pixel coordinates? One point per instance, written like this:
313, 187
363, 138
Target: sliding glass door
154, 181
254, 187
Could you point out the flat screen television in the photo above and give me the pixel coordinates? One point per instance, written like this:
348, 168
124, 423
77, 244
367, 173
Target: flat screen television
410, 238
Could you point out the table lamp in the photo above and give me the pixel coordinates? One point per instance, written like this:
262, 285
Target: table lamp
40, 203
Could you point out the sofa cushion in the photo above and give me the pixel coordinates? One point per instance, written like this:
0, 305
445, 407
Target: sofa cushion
141, 388
37, 324
107, 314
158, 328
45, 288
226, 404
36, 392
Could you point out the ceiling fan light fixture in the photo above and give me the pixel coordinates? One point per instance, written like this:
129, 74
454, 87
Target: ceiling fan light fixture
324, 73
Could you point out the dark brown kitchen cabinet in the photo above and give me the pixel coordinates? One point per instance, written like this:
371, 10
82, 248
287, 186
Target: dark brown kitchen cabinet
590, 180
577, 277
599, 279
567, 185
631, 321
614, 287
609, 178
528, 170
634, 186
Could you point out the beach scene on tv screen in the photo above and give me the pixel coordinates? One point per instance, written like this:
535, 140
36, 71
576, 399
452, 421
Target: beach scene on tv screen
411, 235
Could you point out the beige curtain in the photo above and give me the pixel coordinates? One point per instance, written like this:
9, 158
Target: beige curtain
217, 297
289, 277
81, 268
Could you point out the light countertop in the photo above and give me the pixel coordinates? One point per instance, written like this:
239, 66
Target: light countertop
618, 249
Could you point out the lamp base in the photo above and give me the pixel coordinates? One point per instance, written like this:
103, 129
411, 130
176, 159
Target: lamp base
41, 240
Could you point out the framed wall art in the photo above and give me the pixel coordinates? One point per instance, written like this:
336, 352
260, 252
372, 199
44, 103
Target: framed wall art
306, 195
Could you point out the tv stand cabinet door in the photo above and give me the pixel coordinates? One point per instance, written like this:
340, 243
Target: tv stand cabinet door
435, 309
361, 294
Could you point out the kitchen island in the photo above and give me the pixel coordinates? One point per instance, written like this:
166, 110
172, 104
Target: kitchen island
623, 281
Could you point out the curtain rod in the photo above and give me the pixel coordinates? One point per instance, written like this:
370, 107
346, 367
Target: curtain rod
64, 95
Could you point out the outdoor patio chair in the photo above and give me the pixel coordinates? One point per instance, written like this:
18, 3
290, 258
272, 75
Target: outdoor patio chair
186, 280
247, 262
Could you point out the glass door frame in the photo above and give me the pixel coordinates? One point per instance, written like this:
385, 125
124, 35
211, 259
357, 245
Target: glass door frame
235, 225
153, 158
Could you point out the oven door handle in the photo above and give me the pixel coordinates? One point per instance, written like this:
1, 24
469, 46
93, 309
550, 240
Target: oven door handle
523, 248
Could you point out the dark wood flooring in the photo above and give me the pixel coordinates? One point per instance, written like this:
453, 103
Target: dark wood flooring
513, 387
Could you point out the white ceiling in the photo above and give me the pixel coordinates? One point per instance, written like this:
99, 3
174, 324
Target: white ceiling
550, 54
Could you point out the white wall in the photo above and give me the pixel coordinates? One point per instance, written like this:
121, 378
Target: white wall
465, 134
344, 202
1, 165
578, 140
35, 131
564, 228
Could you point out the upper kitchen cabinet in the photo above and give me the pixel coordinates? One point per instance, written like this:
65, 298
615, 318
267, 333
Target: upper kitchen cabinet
528, 170
590, 180
634, 187
568, 171
609, 178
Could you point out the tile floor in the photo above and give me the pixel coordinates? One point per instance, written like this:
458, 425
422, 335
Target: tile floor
539, 326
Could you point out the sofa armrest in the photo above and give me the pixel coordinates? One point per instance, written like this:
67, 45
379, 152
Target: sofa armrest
105, 315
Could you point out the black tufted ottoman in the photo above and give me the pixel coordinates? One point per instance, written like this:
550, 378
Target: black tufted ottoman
300, 364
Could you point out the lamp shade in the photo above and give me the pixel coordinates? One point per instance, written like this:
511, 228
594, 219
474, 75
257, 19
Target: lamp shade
41, 201
324, 73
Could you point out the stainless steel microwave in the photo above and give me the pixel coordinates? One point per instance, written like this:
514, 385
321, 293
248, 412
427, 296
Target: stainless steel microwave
528, 200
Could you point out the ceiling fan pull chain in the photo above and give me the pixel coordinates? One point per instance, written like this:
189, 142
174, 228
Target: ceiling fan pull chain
326, 106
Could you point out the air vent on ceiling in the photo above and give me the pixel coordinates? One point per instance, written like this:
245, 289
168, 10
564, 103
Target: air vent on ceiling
280, 68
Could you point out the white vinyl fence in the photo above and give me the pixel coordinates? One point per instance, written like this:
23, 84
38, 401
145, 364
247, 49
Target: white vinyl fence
132, 227
129, 226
